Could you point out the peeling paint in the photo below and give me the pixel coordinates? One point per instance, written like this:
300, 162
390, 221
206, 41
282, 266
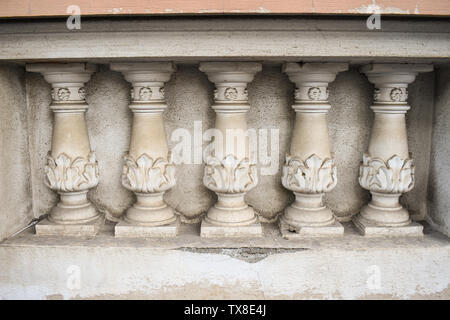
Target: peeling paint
263, 10
374, 8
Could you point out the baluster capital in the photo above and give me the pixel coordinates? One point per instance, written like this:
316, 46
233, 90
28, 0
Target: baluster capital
311, 81
391, 84
230, 79
147, 80
67, 80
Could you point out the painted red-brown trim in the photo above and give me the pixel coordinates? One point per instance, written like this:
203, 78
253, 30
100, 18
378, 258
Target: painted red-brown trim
42, 8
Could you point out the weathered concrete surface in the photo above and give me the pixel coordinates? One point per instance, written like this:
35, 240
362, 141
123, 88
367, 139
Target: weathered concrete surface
419, 122
439, 185
350, 121
188, 267
271, 96
40, 137
189, 97
15, 187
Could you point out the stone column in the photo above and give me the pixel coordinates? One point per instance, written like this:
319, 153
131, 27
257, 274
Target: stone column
310, 170
228, 170
71, 169
387, 169
148, 169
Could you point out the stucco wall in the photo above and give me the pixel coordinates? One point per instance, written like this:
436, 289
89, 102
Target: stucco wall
15, 197
189, 95
439, 190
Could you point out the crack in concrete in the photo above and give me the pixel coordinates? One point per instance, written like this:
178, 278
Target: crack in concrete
250, 255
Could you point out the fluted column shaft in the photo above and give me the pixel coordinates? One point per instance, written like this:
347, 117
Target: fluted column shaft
71, 169
387, 169
148, 170
229, 171
310, 170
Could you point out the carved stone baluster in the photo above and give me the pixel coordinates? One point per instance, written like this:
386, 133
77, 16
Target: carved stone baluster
310, 170
148, 169
229, 171
71, 169
387, 169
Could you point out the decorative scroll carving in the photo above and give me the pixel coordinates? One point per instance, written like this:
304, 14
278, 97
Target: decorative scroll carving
314, 175
66, 175
399, 94
229, 175
393, 176
148, 175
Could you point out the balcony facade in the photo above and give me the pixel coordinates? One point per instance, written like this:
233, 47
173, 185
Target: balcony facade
262, 142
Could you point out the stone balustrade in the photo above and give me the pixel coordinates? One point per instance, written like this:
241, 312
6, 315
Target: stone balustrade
310, 170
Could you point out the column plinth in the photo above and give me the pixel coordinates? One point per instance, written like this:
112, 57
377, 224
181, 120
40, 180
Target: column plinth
148, 169
229, 171
387, 169
310, 170
72, 169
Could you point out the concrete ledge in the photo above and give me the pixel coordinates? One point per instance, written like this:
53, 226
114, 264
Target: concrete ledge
191, 267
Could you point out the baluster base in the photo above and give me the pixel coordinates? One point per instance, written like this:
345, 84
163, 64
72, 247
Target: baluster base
308, 217
73, 215
231, 217
150, 210
385, 216
371, 229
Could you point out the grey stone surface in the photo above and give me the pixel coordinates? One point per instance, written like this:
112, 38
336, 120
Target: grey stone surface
439, 185
271, 96
189, 97
349, 122
15, 186
40, 136
419, 122
109, 125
